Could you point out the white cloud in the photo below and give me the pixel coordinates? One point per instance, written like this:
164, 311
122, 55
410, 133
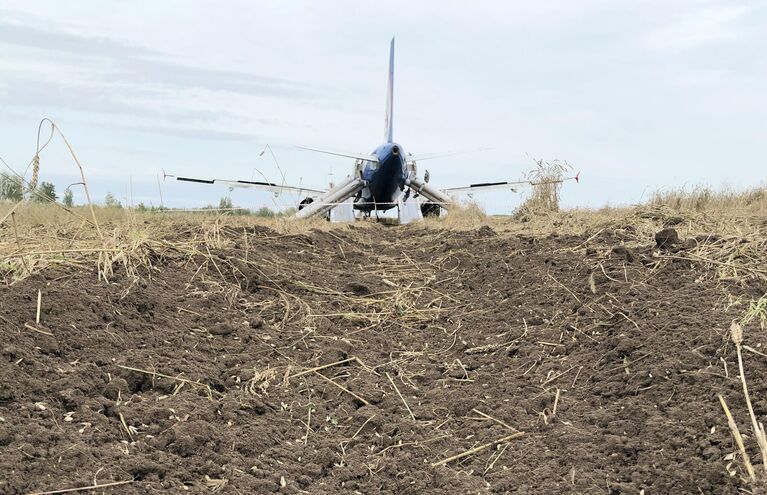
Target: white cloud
636, 96
701, 27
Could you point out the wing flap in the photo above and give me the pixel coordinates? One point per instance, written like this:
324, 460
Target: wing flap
485, 186
506, 185
200, 181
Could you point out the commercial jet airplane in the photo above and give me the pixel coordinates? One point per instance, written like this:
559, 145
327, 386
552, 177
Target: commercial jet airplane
378, 181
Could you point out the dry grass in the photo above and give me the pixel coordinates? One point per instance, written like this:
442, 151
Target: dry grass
730, 230
547, 183
460, 217
37, 236
706, 199
757, 428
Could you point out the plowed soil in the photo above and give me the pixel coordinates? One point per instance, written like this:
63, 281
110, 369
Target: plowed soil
362, 359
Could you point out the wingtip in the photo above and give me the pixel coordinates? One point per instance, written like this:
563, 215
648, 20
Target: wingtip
578, 177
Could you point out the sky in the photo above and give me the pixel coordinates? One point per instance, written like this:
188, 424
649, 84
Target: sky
638, 96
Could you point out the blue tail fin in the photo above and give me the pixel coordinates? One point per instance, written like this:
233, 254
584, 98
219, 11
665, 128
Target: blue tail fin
388, 130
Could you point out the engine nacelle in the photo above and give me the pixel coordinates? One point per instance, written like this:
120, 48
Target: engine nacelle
304, 203
429, 209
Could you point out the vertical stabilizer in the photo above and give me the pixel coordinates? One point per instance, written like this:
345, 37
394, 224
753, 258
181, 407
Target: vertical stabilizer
388, 134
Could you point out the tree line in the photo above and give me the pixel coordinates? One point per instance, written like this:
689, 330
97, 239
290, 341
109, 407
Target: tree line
11, 189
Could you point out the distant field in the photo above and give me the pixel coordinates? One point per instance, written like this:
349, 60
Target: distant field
570, 351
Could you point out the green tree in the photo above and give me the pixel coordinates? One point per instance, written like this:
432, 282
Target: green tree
287, 212
10, 188
111, 202
69, 200
45, 192
225, 203
264, 212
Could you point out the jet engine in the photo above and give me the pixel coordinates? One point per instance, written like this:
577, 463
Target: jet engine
305, 202
430, 209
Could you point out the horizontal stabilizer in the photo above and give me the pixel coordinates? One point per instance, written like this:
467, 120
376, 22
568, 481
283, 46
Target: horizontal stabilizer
356, 156
430, 156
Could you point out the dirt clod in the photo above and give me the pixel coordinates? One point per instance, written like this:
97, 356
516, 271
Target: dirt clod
221, 329
675, 220
666, 238
622, 252
256, 322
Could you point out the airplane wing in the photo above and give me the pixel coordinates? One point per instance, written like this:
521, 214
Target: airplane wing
356, 156
486, 186
264, 186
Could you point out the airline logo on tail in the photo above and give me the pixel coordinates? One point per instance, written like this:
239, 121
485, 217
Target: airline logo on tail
389, 124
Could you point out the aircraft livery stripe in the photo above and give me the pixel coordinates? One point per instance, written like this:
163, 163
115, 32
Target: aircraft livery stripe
483, 184
201, 181
257, 183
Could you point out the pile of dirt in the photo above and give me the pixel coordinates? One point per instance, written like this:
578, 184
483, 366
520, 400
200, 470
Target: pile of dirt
378, 360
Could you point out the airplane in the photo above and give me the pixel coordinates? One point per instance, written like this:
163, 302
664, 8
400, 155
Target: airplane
381, 180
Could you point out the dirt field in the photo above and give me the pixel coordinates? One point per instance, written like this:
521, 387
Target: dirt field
372, 359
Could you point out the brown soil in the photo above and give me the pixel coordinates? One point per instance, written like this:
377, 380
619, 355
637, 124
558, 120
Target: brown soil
608, 359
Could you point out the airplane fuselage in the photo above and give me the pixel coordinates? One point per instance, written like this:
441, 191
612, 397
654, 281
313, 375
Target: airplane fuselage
385, 180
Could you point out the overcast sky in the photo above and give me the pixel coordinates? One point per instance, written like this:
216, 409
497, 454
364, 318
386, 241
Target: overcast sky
638, 95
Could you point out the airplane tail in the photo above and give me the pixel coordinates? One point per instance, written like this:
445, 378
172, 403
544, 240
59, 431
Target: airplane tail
388, 134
